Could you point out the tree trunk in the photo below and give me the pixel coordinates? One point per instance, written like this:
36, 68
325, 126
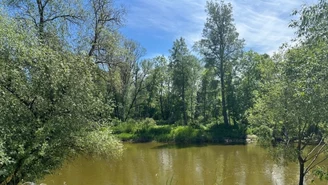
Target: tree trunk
224, 106
301, 178
205, 104
161, 103
95, 40
301, 161
191, 108
41, 19
184, 101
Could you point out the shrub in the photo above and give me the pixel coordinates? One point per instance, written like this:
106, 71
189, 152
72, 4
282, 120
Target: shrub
221, 132
124, 127
187, 134
149, 133
100, 143
126, 136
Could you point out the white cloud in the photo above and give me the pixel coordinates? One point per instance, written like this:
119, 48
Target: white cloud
262, 23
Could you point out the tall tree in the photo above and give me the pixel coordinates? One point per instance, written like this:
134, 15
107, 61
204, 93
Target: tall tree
155, 95
124, 75
194, 78
254, 72
208, 98
179, 76
185, 68
220, 44
161, 81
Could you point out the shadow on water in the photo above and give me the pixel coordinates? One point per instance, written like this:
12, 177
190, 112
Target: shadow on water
199, 145
178, 146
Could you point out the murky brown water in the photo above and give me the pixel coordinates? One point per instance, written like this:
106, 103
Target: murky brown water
157, 164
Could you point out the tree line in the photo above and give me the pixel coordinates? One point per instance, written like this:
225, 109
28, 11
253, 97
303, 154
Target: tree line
67, 72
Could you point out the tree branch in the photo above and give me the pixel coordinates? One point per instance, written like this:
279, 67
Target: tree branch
18, 97
314, 158
313, 149
66, 16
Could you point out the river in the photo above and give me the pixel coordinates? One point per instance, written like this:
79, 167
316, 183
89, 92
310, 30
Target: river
161, 164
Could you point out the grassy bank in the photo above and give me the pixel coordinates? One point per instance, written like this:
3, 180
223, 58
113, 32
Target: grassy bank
147, 130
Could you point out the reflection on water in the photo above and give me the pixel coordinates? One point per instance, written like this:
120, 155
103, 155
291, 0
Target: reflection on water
158, 164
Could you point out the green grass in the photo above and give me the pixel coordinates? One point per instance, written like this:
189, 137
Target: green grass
125, 136
147, 130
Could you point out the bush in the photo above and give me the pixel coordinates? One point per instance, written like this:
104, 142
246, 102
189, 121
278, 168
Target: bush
149, 133
149, 122
147, 130
126, 136
265, 134
187, 134
220, 132
161, 122
100, 143
124, 127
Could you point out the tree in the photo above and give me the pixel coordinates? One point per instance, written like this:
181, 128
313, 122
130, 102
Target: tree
208, 99
125, 79
157, 87
254, 72
48, 17
54, 20
139, 86
185, 69
220, 44
312, 23
194, 78
293, 111
49, 111
104, 18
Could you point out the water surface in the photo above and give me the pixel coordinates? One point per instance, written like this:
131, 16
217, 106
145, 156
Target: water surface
160, 164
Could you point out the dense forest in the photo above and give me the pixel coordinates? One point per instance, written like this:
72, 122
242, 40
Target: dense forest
69, 79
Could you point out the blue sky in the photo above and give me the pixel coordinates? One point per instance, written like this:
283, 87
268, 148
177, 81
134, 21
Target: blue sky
155, 24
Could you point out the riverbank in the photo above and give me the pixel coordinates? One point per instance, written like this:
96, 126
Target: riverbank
147, 130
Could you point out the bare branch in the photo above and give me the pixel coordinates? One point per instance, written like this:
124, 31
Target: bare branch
314, 158
45, 4
309, 168
313, 149
66, 17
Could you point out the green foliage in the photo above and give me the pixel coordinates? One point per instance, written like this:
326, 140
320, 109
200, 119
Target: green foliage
56, 103
132, 126
221, 47
185, 72
100, 143
124, 127
208, 99
125, 136
153, 133
221, 133
292, 109
51, 19
212, 133
49, 100
187, 134
312, 23
321, 173
266, 134
254, 71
